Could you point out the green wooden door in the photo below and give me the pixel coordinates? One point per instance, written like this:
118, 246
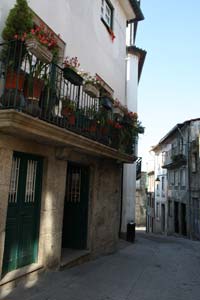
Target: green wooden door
22, 227
76, 207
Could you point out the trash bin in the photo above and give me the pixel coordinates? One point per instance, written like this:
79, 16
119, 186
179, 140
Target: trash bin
130, 234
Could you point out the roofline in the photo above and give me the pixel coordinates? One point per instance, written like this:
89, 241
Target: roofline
137, 10
141, 54
173, 130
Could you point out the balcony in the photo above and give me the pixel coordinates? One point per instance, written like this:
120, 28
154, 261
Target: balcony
174, 158
38, 95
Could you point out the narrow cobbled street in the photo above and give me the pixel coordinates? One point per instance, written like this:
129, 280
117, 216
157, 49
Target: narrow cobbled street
154, 267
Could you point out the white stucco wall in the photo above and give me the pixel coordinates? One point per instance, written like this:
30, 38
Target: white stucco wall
132, 82
79, 24
129, 187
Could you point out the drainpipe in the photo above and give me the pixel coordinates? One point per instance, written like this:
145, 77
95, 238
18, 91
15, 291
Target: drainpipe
121, 202
189, 226
189, 181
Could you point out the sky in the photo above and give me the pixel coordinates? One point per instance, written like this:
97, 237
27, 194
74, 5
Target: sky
169, 88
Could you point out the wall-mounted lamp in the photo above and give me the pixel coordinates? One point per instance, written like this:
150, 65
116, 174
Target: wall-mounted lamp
157, 179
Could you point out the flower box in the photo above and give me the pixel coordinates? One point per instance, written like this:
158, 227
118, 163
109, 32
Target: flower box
118, 111
91, 90
106, 102
72, 76
40, 51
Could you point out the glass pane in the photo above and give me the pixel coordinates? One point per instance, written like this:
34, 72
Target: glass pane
30, 181
14, 180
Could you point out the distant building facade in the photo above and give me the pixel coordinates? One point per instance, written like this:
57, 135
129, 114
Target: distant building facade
177, 181
140, 206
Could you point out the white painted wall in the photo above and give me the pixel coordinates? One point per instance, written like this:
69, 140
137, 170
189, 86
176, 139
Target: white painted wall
79, 24
129, 186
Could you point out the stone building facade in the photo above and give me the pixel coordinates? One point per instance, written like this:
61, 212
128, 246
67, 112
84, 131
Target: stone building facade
179, 159
141, 200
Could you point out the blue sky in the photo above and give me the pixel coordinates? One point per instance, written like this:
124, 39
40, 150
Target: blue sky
169, 89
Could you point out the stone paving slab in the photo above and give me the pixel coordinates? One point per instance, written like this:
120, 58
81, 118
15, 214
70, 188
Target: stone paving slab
155, 267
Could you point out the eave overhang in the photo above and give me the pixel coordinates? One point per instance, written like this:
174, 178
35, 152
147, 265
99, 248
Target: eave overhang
137, 10
141, 55
21, 125
132, 10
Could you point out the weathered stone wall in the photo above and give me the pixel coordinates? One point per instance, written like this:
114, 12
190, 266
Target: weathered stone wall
141, 199
104, 198
105, 207
5, 168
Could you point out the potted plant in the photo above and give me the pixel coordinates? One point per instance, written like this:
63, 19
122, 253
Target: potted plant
42, 43
70, 70
106, 101
69, 110
91, 85
19, 20
118, 108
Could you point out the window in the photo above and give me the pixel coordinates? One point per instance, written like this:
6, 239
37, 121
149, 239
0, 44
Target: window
170, 208
157, 189
157, 209
107, 13
171, 177
194, 162
163, 183
182, 177
163, 157
176, 178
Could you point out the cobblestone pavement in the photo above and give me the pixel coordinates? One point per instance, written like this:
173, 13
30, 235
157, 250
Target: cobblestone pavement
155, 267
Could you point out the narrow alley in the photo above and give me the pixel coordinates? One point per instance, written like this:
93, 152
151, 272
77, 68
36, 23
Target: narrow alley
154, 267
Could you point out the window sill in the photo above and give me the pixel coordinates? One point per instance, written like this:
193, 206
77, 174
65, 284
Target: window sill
110, 32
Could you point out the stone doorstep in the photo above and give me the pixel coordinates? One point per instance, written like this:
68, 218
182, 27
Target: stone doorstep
17, 274
72, 258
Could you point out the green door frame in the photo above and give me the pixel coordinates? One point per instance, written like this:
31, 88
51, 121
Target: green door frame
23, 214
75, 219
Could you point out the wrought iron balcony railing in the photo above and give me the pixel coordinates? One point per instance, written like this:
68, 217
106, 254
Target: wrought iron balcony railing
40, 89
174, 157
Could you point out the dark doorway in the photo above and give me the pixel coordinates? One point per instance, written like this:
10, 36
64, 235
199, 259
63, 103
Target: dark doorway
23, 215
176, 217
183, 219
163, 217
75, 218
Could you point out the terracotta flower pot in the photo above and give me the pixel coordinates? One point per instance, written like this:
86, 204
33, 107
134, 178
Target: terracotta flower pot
33, 88
14, 80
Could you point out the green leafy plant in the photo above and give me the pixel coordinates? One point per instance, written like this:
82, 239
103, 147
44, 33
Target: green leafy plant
72, 63
19, 20
88, 78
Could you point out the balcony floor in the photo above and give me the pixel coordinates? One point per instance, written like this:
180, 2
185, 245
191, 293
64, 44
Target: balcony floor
25, 126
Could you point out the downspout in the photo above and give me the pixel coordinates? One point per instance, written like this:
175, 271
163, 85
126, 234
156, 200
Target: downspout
121, 200
189, 226
189, 180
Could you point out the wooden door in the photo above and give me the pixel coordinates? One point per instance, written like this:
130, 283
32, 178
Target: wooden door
22, 227
76, 207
